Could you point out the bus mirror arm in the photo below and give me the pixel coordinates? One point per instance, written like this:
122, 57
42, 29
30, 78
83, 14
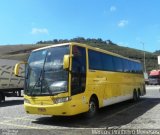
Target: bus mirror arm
16, 69
20, 76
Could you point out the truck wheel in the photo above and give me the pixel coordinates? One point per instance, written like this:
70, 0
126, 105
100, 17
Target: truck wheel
19, 93
2, 97
93, 108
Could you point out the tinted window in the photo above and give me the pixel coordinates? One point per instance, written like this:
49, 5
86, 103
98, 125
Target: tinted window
78, 81
138, 68
129, 66
102, 61
118, 64
126, 65
95, 60
107, 62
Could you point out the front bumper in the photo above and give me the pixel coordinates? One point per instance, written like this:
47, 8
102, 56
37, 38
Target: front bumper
61, 109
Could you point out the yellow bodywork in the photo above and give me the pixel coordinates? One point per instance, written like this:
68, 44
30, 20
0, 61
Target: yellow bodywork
104, 84
46, 105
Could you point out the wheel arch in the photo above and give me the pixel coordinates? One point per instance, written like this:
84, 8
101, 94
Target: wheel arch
94, 96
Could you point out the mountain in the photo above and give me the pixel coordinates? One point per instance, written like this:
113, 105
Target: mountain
21, 52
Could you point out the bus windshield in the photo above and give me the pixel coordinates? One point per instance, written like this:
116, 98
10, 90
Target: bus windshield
45, 74
154, 76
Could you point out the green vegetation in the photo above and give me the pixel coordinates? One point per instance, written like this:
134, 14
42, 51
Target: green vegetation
157, 52
21, 52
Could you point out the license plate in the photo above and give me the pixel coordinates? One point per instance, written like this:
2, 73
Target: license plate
42, 109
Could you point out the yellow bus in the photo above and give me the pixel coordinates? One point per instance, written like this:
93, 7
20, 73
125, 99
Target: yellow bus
73, 78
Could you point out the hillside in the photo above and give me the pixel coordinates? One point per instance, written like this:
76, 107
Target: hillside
17, 52
21, 52
157, 52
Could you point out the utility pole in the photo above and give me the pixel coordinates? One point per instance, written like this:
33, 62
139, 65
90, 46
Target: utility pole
159, 61
144, 57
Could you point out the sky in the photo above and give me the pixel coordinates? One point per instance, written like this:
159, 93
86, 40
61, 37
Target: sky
129, 23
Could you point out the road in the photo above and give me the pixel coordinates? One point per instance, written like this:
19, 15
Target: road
126, 115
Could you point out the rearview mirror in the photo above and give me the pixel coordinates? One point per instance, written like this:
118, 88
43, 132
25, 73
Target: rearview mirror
66, 62
17, 68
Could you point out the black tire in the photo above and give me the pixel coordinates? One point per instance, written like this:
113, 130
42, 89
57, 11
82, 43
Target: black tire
93, 108
138, 95
2, 97
19, 93
135, 96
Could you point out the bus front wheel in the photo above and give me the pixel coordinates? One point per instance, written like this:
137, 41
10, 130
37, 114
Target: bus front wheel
93, 107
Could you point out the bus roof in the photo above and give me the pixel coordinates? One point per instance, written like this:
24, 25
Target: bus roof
103, 51
54, 45
87, 46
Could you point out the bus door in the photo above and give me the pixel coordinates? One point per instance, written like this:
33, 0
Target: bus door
78, 76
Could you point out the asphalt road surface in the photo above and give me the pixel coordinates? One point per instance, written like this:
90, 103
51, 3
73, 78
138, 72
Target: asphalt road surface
125, 117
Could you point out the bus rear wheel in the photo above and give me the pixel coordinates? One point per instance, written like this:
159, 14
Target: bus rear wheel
135, 96
138, 94
93, 108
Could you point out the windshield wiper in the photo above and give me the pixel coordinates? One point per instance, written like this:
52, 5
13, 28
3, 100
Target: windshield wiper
38, 80
46, 86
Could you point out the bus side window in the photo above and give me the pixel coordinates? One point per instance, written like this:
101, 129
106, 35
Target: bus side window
78, 79
118, 64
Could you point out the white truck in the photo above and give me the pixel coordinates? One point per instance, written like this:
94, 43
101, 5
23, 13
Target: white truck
10, 85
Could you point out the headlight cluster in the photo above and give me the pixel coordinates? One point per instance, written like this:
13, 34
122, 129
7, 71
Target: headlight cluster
26, 101
62, 99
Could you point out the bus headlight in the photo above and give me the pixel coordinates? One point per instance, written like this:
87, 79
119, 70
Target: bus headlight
62, 99
26, 101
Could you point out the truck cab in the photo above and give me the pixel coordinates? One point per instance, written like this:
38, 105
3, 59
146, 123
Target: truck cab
154, 77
